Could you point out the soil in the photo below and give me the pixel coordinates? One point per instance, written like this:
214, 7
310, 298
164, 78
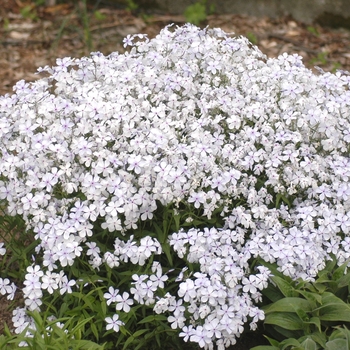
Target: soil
32, 36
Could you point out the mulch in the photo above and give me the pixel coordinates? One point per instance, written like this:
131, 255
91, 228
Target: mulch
33, 36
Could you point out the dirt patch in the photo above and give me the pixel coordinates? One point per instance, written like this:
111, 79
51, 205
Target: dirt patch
35, 36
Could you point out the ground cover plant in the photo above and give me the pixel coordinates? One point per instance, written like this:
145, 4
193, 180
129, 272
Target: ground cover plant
166, 188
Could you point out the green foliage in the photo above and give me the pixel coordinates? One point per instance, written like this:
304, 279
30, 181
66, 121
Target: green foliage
85, 24
252, 38
19, 244
308, 315
29, 12
322, 59
59, 334
313, 30
197, 12
131, 5
79, 317
99, 15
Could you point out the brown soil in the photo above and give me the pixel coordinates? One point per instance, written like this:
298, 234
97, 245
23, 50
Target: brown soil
33, 36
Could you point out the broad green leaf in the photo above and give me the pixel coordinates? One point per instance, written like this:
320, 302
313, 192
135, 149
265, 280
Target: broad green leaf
284, 286
340, 271
344, 280
337, 344
320, 338
288, 305
335, 313
272, 293
289, 342
337, 333
333, 309
315, 321
330, 265
345, 332
312, 298
309, 344
265, 347
286, 320
323, 277
302, 315
321, 287
272, 341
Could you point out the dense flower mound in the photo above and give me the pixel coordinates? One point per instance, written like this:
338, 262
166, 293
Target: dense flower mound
190, 119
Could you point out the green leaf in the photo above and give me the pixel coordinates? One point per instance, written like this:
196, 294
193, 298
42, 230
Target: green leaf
94, 330
289, 342
333, 309
166, 249
128, 342
320, 338
344, 280
81, 324
309, 344
286, 320
265, 347
99, 15
161, 235
345, 332
85, 345
321, 287
340, 271
177, 222
315, 321
195, 13
272, 341
302, 315
288, 305
313, 298
337, 344
153, 318
272, 293
140, 332
284, 286
330, 265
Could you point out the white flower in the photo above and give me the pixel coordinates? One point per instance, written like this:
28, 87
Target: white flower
5, 287
195, 122
123, 303
65, 285
187, 290
201, 336
49, 281
2, 249
111, 296
113, 323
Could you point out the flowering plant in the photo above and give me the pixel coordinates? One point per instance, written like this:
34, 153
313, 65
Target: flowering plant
157, 178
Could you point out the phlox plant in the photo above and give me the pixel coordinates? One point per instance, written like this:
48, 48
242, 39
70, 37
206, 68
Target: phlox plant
155, 182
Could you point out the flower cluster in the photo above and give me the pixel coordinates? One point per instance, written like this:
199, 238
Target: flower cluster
192, 118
